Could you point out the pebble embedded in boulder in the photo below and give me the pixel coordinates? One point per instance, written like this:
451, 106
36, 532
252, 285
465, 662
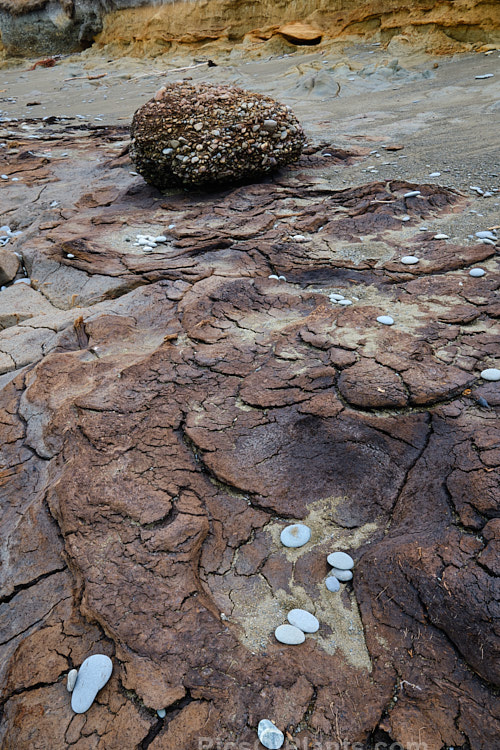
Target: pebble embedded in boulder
295, 535
340, 560
491, 374
303, 620
289, 634
341, 575
92, 676
269, 735
409, 260
332, 583
204, 135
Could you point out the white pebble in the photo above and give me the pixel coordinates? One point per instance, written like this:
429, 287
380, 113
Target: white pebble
483, 235
341, 575
477, 272
411, 194
273, 276
303, 620
386, 320
344, 302
435, 174
71, 679
4, 176
269, 735
336, 297
295, 535
476, 189
92, 676
441, 237
409, 260
160, 238
22, 281
491, 374
161, 713
70, 255
299, 238
487, 241
405, 218
485, 75
340, 560
289, 634
332, 583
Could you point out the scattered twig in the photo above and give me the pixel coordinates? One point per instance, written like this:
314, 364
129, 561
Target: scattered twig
209, 63
86, 78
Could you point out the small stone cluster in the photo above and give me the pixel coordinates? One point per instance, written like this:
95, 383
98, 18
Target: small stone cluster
203, 135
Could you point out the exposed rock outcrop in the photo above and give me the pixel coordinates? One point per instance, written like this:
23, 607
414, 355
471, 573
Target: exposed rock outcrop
175, 409
32, 27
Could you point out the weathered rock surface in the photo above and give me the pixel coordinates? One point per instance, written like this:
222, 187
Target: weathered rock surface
38, 27
176, 409
206, 135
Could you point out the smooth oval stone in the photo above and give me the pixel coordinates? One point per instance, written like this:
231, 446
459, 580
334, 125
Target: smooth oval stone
71, 679
385, 320
340, 560
486, 234
491, 374
289, 634
303, 620
345, 302
342, 575
92, 676
295, 535
411, 194
336, 297
162, 713
477, 272
409, 260
332, 583
269, 735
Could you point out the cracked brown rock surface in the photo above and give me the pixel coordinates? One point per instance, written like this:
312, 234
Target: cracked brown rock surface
164, 415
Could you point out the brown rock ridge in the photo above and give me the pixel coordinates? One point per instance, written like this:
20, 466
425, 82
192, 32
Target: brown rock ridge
172, 411
151, 28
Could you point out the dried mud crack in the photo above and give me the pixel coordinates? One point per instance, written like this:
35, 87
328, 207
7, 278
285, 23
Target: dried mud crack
164, 415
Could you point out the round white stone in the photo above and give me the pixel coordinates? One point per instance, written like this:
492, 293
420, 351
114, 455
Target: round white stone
289, 634
269, 735
441, 237
342, 575
336, 297
303, 620
344, 302
386, 320
409, 260
340, 560
92, 676
295, 535
332, 583
71, 679
491, 374
476, 272
161, 713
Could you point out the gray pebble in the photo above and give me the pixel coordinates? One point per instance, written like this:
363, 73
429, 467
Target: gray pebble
289, 634
340, 560
441, 237
342, 575
385, 320
92, 676
295, 535
486, 235
71, 679
332, 583
269, 125
491, 374
477, 272
303, 620
409, 260
269, 735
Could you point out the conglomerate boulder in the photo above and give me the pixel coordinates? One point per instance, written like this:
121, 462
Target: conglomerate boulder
205, 135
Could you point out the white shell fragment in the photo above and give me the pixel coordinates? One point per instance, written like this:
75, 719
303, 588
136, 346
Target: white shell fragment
411, 194
269, 735
477, 272
485, 75
295, 535
341, 575
332, 583
409, 260
491, 374
303, 620
289, 634
92, 676
386, 320
340, 560
71, 679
